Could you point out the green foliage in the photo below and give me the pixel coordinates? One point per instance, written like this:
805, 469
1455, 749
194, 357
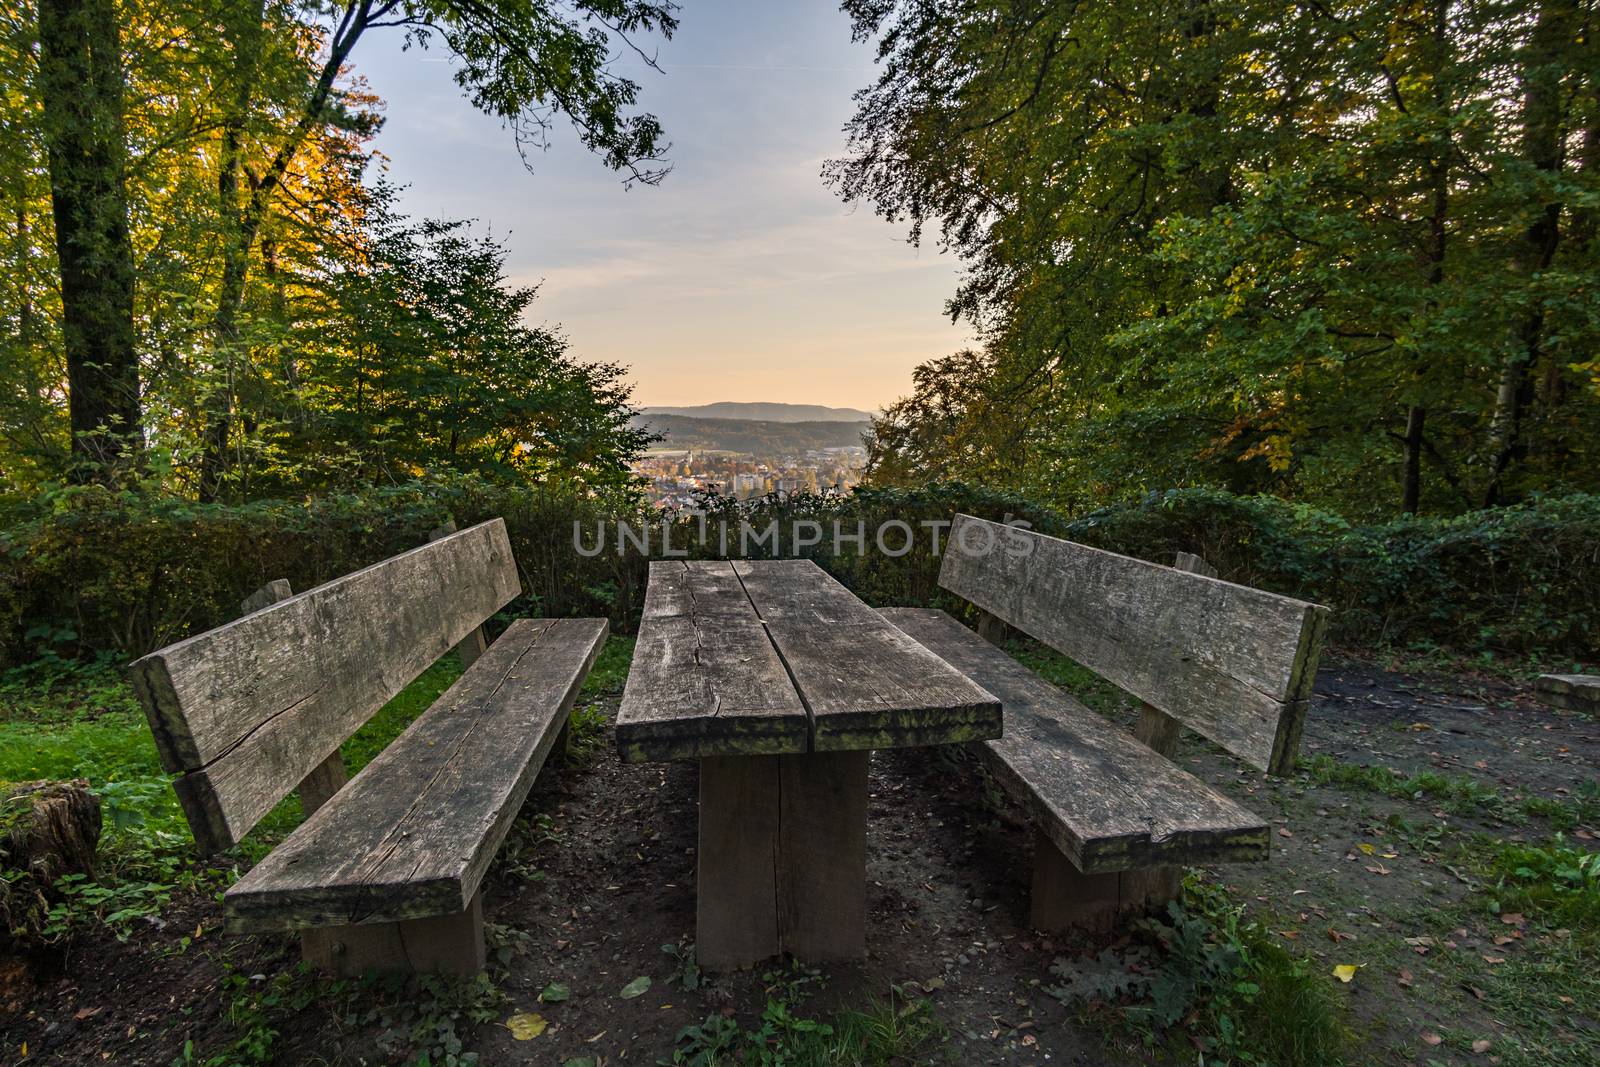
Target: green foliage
1206, 978
1503, 580
1556, 883
1339, 253
895, 1031
417, 1021
90, 571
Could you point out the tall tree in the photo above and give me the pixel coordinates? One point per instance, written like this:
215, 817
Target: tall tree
523, 62
1302, 249
81, 89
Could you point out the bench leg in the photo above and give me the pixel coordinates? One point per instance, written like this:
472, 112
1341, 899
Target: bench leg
822, 848
443, 944
736, 907
1064, 898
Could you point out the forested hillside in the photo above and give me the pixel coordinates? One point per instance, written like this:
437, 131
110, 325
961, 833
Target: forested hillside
1340, 253
750, 435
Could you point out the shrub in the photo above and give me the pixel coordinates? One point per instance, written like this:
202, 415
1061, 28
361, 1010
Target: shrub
89, 571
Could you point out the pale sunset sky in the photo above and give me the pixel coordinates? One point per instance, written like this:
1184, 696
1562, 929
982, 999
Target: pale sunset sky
741, 277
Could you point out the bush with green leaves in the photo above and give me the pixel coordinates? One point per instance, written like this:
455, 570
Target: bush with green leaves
90, 571
1203, 977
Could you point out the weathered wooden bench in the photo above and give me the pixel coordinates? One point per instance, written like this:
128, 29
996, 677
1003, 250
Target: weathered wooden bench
1572, 692
386, 870
1114, 816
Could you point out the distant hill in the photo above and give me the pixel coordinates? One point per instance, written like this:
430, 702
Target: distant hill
762, 437
766, 412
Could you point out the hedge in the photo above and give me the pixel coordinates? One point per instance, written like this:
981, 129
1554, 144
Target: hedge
121, 575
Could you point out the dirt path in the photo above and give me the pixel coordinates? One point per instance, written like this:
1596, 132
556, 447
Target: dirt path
599, 876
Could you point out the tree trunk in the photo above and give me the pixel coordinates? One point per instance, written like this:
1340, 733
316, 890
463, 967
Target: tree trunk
51, 829
1542, 116
81, 87
242, 221
1411, 472
247, 38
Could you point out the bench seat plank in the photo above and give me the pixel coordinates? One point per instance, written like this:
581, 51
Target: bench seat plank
865, 684
1106, 800
413, 834
705, 679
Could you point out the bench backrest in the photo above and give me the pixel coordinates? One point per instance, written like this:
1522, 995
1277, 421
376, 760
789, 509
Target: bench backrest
242, 713
1232, 663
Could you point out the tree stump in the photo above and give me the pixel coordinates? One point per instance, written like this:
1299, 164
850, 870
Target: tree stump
49, 829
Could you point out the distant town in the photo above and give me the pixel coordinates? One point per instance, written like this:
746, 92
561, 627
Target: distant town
750, 450
673, 478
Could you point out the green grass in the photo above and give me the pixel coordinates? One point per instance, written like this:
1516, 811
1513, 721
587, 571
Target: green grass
1053, 667
892, 1032
62, 720
66, 721
1555, 884
610, 671
1457, 794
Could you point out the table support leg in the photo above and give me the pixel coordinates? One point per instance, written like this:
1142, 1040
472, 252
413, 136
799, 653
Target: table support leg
782, 858
822, 849
736, 900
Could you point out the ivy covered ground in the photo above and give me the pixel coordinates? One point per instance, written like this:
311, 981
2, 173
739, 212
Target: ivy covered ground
1433, 897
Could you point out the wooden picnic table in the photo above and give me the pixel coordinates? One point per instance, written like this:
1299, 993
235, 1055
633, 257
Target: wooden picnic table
780, 681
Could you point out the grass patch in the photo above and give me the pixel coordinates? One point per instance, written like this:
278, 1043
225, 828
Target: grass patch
1555, 883
64, 720
610, 671
1462, 796
1457, 794
894, 1031
1087, 686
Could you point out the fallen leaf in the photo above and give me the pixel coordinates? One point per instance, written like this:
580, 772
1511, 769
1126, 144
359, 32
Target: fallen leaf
86, 1013
525, 1026
635, 988
1431, 1038
934, 983
1481, 1045
1346, 972
1336, 936
579, 1061
1283, 831
1405, 978
1513, 918
1366, 848
1292, 935
555, 993
1494, 959
1029, 1039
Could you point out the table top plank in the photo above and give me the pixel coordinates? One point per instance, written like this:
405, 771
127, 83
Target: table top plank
775, 656
706, 679
865, 683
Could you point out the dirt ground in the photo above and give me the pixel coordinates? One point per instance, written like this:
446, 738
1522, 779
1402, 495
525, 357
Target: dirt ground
600, 876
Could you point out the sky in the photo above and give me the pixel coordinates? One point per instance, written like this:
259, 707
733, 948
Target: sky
742, 276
